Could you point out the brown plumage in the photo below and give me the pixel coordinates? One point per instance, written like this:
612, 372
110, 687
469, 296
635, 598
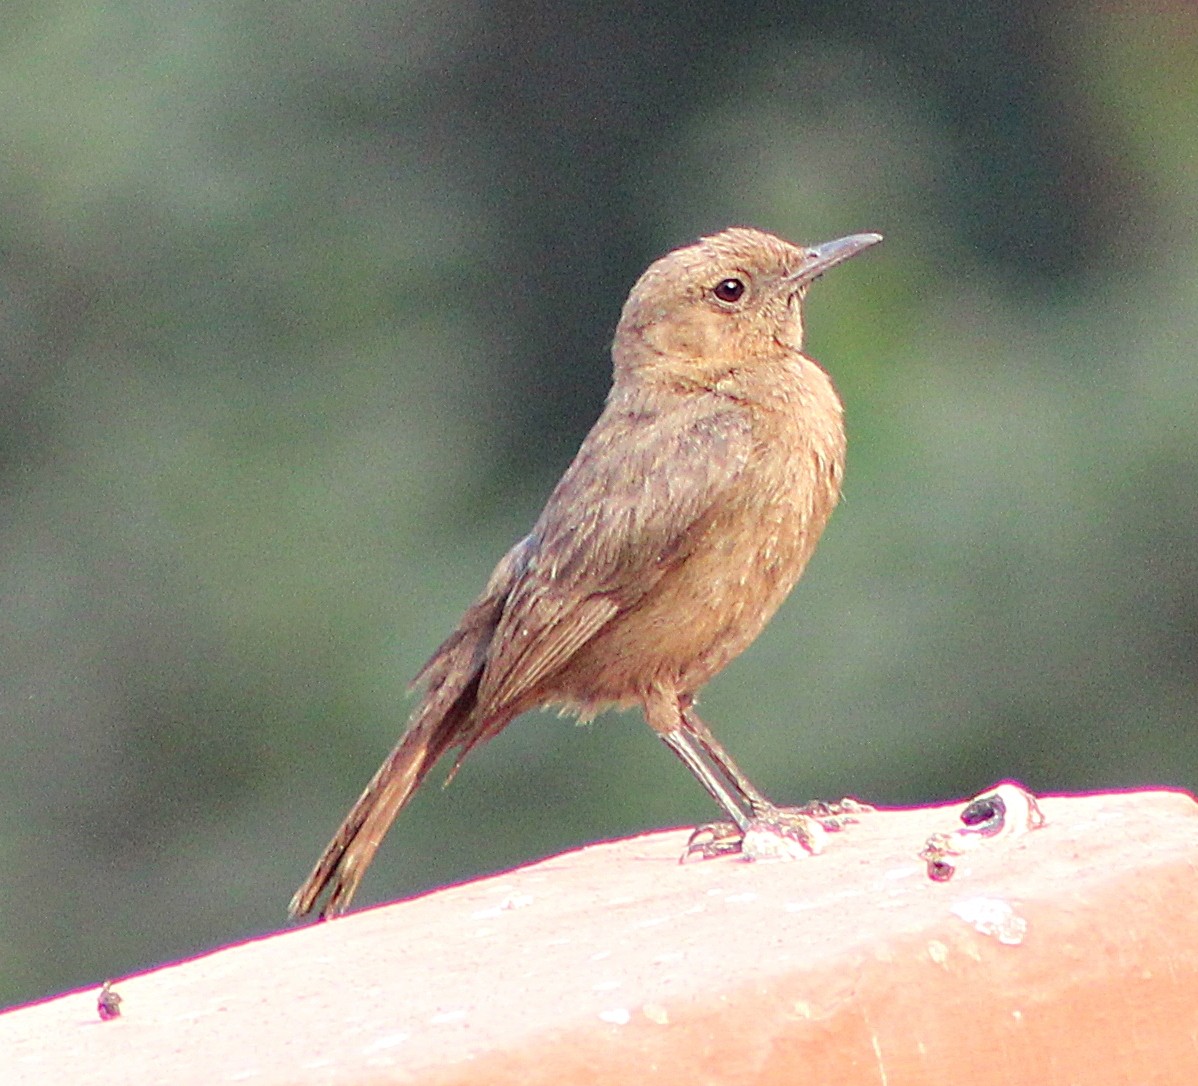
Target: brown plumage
685, 519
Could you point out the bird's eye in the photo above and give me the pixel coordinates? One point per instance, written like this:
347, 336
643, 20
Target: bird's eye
729, 290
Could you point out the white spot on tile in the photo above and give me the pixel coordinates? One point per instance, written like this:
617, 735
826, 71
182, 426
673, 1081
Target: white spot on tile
390, 1040
447, 1016
617, 1016
993, 916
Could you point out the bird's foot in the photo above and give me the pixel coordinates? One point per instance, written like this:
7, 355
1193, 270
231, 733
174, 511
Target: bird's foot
772, 833
781, 834
785, 833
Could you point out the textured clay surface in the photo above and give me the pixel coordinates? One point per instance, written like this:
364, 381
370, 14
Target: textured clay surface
1067, 955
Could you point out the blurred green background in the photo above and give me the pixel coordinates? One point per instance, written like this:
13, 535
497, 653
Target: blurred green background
303, 309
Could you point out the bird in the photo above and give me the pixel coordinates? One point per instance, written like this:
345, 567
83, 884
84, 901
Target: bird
683, 522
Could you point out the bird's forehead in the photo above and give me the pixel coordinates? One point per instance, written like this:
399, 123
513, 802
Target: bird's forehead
737, 248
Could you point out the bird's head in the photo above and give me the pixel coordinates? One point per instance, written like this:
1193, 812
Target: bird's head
722, 303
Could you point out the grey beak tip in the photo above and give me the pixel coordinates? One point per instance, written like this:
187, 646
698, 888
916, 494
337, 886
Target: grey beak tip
830, 253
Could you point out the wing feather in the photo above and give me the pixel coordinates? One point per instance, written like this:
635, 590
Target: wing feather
628, 509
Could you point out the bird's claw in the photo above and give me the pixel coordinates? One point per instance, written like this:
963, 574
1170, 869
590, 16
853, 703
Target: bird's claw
778, 833
836, 815
712, 840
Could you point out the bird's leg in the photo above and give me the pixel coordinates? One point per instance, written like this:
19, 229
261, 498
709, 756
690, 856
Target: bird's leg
666, 713
752, 799
758, 828
769, 829
682, 743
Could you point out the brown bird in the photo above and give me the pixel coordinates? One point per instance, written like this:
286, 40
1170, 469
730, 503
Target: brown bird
683, 523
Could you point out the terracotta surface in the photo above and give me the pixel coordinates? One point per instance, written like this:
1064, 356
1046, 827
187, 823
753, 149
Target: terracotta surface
1069, 955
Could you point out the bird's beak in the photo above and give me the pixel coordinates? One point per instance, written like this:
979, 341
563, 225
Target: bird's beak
822, 257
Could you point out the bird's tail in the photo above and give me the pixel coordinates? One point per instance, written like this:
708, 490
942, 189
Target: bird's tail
431, 732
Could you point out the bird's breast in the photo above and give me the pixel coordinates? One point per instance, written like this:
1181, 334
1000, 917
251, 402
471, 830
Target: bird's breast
751, 555
734, 572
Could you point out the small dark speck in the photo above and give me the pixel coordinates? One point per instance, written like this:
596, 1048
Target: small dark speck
109, 1003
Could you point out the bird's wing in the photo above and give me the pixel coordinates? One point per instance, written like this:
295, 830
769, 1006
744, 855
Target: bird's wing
628, 509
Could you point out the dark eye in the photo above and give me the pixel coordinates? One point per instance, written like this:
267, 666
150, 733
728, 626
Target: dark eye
729, 290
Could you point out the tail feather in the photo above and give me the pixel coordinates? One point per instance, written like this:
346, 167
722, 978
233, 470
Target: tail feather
448, 716
347, 856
